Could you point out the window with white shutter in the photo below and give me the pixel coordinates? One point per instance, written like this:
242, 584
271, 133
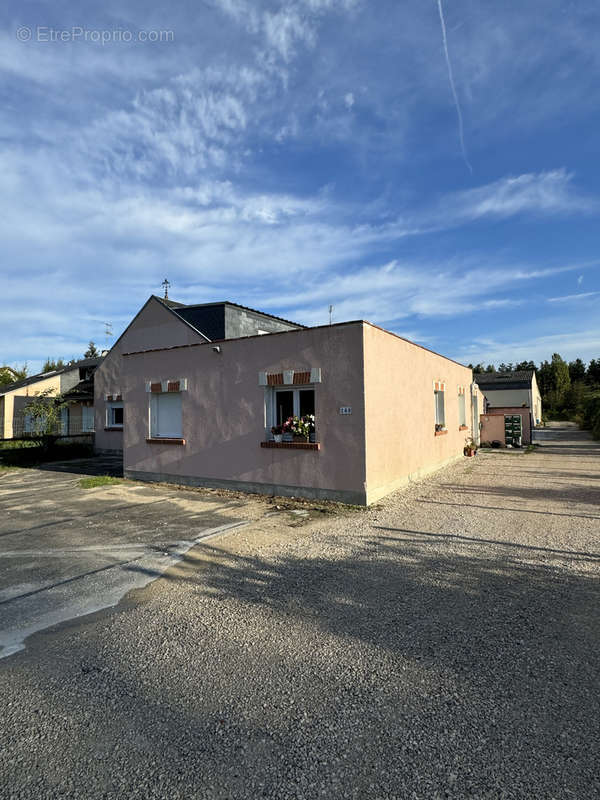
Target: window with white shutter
165, 415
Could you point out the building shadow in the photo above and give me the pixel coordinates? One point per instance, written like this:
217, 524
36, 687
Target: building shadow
417, 665
94, 465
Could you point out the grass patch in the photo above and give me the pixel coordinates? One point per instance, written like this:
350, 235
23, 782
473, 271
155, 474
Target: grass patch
99, 480
17, 444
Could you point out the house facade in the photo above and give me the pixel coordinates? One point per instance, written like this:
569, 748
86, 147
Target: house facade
164, 324
512, 390
199, 413
77, 417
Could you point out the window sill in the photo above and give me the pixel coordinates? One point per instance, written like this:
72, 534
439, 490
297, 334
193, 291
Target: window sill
463, 428
113, 428
164, 440
292, 445
440, 433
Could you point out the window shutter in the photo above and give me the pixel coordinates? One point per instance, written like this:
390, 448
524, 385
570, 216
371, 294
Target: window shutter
169, 414
154, 414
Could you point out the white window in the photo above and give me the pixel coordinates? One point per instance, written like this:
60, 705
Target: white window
87, 418
114, 415
165, 415
440, 414
64, 421
290, 403
462, 411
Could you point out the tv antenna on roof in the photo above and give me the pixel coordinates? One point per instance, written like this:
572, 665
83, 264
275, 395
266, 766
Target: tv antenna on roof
108, 332
166, 285
330, 313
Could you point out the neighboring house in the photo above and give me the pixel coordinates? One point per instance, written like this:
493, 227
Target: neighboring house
513, 406
512, 390
163, 323
191, 411
14, 421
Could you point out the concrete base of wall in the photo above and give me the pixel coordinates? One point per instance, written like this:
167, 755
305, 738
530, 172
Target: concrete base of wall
373, 495
339, 496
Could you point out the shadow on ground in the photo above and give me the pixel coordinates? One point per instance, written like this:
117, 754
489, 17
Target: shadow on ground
418, 664
94, 465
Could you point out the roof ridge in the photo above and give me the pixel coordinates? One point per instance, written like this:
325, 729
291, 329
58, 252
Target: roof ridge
42, 376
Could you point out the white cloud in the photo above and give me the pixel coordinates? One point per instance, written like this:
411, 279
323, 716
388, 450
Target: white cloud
567, 298
542, 193
204, 161
583, 343
285, 29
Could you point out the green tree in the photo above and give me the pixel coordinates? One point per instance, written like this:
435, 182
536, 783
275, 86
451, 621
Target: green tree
576, 397
50, 364
560, 382
505, 367
577, 370
544, 379
490, 368
524, 365
44, 412
10, 375
591, 414
593, 371
92, 351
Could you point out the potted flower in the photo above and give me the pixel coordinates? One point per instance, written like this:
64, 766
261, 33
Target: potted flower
277, 431
470, 447
288, 435
300, 428
310, 418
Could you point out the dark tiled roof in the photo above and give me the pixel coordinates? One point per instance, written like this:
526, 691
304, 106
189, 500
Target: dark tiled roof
201, 312
500, 379
208, 319
84, 390
85, 362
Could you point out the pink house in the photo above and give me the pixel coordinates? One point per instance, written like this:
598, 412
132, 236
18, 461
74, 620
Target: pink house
187, 409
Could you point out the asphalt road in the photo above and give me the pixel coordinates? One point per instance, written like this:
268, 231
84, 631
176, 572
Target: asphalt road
66, 551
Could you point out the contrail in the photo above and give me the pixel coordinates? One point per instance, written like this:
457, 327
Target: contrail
461, 135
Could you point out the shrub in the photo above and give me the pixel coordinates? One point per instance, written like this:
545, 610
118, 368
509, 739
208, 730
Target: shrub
591, 411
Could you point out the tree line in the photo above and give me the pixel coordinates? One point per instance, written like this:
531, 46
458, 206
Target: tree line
569, 389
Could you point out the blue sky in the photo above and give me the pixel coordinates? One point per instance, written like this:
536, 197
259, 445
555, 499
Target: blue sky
289, 155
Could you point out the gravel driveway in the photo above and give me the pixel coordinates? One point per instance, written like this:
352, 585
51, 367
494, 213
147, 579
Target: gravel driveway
443, 644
